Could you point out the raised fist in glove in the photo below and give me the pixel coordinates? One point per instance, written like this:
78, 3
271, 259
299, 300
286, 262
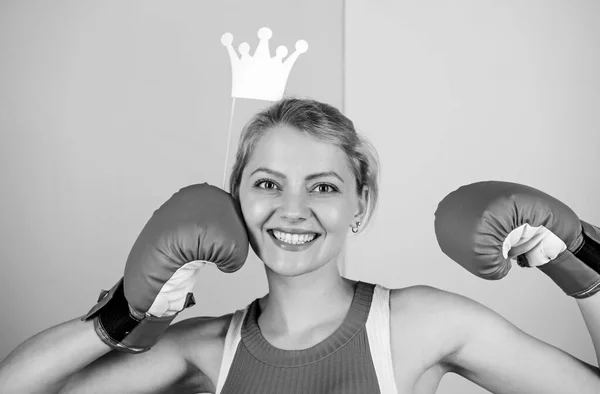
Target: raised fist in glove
485, 225
200, 224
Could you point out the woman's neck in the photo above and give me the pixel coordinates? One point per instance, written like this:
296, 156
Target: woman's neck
297, 306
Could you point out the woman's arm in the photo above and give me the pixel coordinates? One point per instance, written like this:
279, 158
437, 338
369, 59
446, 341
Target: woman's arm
590, 310
46, 360
70, 358
493, 353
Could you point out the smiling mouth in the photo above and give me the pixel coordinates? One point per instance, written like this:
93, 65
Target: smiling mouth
293, 239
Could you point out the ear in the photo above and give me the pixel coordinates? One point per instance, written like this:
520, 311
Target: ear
363, 203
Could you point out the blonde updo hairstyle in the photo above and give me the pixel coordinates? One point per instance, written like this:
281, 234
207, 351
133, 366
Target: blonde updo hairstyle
322, 122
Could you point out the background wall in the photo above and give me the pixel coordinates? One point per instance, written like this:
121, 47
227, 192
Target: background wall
107, 109
456, 92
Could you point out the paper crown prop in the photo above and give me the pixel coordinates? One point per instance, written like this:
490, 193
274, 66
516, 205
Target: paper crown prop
260, 76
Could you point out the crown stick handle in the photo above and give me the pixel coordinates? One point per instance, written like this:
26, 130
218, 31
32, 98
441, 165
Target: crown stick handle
228, 141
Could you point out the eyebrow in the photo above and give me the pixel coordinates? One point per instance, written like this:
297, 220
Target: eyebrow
308, 177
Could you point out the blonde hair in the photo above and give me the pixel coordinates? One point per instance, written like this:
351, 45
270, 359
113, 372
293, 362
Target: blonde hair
323, 122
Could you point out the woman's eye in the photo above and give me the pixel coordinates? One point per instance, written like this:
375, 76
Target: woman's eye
265, 184
325, 188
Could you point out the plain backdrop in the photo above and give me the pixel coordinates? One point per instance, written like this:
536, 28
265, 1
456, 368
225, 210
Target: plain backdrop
108, 108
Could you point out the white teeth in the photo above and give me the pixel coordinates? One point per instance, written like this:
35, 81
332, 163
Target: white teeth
294, 239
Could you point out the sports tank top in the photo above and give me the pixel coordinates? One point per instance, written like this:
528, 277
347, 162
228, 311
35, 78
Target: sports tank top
356, 358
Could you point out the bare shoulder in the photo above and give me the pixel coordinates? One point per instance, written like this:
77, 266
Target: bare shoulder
449, 321
202, 327
433, 304
201, 341
423, 299
435, 320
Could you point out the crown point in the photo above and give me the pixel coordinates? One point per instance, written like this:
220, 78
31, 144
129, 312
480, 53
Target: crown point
281, 51
301, 46
244, 48
227, 39
264, 33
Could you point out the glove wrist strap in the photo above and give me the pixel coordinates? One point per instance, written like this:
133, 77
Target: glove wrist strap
578, 272
121, 329
589, 250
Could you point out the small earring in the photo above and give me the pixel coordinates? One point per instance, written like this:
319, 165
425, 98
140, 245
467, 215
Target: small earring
355, 229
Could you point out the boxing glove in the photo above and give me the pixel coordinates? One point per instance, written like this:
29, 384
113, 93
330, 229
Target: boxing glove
484, 226
199, 224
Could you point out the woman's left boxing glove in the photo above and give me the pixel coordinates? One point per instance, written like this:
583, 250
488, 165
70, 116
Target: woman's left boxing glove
484, 225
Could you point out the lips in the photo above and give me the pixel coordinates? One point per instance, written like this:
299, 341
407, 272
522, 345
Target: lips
293, 231
291, 246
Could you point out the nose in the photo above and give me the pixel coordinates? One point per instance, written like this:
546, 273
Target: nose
294, 207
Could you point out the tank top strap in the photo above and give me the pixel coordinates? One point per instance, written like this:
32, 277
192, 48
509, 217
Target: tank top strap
378, 332
232, 339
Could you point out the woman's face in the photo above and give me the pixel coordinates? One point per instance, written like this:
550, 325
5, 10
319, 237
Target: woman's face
298, 197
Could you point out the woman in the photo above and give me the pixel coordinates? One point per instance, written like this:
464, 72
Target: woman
303, 180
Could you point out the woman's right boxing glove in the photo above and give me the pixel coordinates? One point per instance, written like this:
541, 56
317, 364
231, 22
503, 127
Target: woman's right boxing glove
199, 224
